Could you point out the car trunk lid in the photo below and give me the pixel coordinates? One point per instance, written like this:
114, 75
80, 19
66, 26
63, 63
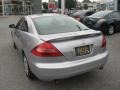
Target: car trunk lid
70, 43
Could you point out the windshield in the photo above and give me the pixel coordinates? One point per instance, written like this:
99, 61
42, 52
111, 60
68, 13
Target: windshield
101, 14
57, 24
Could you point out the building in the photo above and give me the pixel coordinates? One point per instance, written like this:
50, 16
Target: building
87, 4
52, 4
117, 5
101, 5
108, 5
19, 7
36, 6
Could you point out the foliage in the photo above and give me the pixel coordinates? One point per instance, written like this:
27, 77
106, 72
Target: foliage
85, 6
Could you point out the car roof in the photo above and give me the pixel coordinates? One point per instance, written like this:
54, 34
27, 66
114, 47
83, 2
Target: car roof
106, 11
101, 13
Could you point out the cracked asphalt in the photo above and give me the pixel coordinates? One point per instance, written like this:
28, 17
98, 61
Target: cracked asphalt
12, 76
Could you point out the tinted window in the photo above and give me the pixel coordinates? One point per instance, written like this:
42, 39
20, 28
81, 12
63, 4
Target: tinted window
24, 26
57, 24
101, 14
19, 23
115, 15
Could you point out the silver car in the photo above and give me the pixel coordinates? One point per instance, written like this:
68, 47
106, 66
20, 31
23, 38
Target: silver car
56, 46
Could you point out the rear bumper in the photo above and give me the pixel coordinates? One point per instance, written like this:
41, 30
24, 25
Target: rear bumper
52, 71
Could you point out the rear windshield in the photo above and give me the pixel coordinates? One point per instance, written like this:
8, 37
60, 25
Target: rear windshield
81, 13
101, 14
57, 24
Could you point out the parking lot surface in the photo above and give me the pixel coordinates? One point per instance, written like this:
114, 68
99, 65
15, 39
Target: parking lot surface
12, 76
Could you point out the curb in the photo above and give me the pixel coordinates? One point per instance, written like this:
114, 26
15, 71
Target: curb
11, 16
3, 16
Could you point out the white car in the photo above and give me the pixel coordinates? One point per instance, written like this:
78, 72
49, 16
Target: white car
57, 46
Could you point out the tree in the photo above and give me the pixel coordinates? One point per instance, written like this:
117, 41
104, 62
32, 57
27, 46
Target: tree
69, 4
45, 5
85, 6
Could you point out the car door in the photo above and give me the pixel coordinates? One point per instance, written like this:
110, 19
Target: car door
23, 27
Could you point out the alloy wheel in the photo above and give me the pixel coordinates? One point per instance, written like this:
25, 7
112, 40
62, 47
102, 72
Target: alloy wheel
111, 30
26, 66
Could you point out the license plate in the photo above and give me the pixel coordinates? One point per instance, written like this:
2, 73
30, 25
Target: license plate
83, 50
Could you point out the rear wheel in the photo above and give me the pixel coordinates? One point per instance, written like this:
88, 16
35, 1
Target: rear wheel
27, 70
111, 30
14, 46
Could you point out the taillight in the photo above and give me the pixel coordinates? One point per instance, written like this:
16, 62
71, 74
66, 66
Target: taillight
46, 49
77, 18
104, 42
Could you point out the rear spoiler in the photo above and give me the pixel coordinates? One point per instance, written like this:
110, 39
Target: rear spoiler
75, 37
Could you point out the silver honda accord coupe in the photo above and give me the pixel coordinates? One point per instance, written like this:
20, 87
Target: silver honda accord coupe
56, 46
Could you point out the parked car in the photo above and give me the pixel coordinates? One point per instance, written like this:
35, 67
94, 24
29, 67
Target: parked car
57, 46
106, 21
80, 15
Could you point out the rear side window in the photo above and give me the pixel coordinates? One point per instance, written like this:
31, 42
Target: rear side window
57, 24
24, 26
115, 15
19, 23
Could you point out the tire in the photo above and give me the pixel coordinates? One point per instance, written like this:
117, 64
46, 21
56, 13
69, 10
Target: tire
27, 70
14, 46
111, 30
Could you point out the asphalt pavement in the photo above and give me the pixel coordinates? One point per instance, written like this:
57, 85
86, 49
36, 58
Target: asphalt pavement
12, 76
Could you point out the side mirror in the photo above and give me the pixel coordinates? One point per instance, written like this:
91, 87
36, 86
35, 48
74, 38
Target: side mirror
12, 26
